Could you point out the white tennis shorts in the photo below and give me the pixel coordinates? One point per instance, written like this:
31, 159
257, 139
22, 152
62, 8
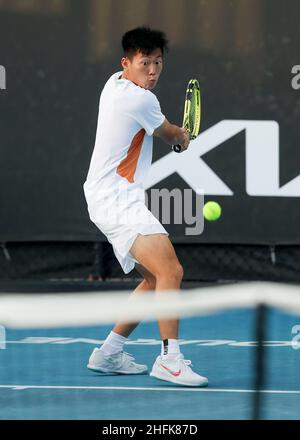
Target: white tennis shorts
121, 220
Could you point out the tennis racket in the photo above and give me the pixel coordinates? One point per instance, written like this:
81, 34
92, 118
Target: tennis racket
192, 111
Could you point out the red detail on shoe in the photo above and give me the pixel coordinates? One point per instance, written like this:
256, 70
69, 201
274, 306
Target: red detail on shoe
174, 373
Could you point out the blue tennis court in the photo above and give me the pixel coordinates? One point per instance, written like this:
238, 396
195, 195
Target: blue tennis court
43, 373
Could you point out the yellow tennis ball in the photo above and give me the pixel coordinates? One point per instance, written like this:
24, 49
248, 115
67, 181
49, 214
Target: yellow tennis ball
212, 211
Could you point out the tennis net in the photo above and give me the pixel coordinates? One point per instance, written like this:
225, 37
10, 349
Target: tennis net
243, 337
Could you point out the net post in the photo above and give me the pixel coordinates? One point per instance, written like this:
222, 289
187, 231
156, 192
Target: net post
260, 360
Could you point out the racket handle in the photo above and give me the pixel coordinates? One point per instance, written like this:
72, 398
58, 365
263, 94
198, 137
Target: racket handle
177, 148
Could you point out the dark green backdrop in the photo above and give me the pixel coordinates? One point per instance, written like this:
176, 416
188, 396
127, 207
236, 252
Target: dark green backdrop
58, 55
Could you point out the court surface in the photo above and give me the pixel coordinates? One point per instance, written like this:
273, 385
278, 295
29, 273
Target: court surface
43, 373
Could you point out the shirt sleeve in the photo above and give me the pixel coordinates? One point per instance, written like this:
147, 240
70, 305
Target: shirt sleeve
147, 112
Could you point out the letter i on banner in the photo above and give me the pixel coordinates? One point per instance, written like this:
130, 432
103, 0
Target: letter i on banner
2, 338
2, 78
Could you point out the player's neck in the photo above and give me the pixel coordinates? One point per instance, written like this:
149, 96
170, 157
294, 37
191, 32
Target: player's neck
124, 76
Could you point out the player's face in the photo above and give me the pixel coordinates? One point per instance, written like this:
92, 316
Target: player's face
143, 70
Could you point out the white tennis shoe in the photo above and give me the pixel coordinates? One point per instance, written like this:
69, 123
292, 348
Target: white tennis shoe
120, 363
178, 371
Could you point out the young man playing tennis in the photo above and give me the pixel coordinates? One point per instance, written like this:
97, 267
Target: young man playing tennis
129, 116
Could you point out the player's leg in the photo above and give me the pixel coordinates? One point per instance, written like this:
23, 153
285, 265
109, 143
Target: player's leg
160, 268
148, 283
110, 356
156, 253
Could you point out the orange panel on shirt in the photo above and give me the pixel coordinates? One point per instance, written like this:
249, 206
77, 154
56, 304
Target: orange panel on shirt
128, 165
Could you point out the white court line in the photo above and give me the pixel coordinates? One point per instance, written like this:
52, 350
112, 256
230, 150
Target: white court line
184, 389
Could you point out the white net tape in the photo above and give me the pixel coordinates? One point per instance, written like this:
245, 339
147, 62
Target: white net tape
65, 310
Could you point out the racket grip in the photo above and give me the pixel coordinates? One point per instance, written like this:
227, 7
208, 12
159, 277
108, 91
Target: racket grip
177, 148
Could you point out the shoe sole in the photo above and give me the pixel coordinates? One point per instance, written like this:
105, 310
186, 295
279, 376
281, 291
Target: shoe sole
204, 383
103, 370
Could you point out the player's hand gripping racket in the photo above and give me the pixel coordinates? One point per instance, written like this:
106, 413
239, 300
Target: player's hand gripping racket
192, 111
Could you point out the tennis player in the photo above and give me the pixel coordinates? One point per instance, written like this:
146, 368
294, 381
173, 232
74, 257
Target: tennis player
129, 117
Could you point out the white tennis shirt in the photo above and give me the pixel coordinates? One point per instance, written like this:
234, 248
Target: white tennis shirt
128, 116
122, 156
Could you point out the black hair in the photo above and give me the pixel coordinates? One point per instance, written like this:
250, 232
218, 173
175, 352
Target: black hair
145, 40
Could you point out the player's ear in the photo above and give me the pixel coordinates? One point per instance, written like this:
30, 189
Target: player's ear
124, 62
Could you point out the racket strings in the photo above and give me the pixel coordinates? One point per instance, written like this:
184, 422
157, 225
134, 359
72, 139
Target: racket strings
193, 115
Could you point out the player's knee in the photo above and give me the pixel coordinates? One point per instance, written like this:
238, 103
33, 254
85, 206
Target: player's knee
173, 271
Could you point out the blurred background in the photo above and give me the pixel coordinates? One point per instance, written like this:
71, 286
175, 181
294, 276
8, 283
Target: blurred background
57, 56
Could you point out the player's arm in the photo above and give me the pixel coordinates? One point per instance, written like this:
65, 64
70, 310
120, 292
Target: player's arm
172, 134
